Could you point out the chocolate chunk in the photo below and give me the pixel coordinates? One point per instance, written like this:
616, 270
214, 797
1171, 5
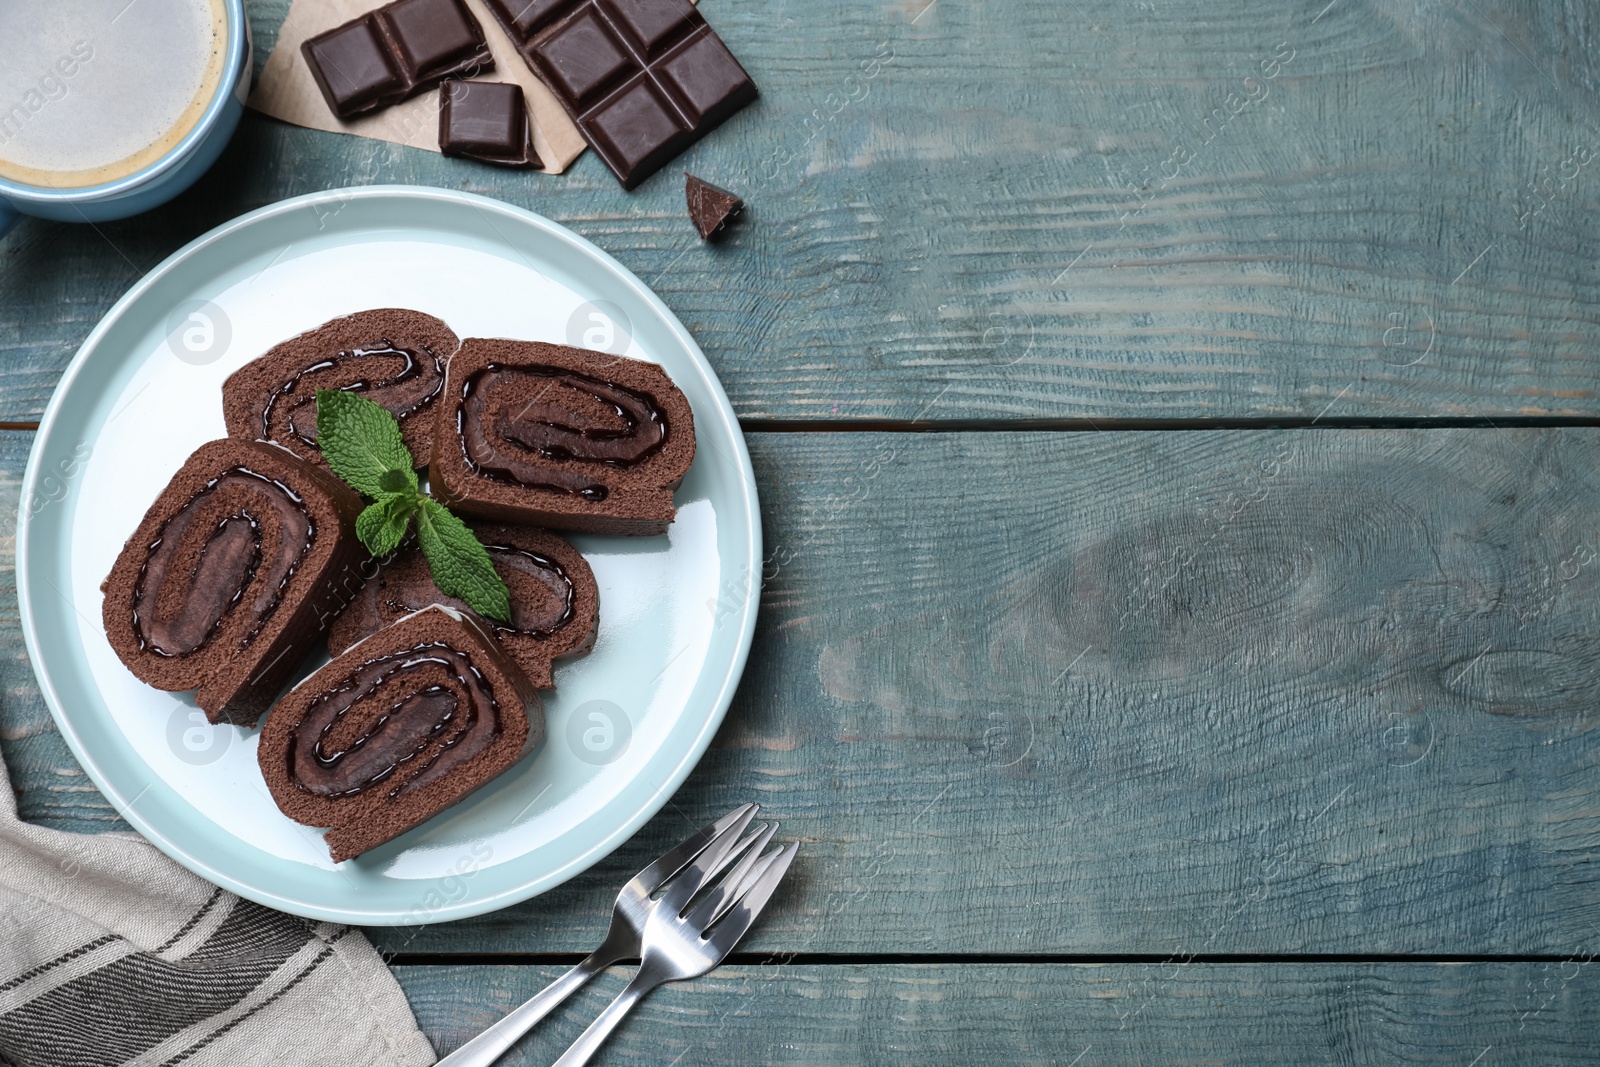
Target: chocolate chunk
487, 121
711, 207
398, 728
643, 79
233, 574
555, 603
391, 356
353, 68
395, 52
560, 437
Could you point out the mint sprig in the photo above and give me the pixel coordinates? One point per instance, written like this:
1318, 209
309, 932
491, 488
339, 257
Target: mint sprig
361, 442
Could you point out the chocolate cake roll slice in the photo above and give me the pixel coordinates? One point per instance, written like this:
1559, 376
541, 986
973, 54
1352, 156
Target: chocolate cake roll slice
398, 728
233, 575
391, 356
555, 604
561, 437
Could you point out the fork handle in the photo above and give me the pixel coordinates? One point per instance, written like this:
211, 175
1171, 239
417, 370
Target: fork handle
494, 1042
590, 1040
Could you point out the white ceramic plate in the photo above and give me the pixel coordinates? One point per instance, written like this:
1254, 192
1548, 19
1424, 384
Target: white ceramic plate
626, 724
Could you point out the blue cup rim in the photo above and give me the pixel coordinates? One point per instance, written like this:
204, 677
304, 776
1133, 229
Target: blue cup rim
238, 53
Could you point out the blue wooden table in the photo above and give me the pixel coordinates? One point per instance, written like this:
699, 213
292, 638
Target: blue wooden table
1178, 432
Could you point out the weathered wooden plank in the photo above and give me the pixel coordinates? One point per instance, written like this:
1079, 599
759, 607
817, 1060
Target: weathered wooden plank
1055, 1016
1031, 208
1195, 692
50, 786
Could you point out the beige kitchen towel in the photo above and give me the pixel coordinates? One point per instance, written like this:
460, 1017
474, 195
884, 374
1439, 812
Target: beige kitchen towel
112, 954
287, 90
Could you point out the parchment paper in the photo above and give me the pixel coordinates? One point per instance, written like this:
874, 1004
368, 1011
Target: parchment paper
287, 91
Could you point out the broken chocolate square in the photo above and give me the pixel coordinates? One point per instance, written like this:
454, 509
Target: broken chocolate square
486, 121
434, 36
352, 66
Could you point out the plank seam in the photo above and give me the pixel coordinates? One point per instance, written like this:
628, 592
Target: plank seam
1088, 425
830, 959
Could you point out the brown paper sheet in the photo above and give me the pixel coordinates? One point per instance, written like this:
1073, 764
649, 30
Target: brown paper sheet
287, 91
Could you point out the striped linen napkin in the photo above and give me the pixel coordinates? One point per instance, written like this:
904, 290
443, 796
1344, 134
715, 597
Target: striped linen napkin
111, 953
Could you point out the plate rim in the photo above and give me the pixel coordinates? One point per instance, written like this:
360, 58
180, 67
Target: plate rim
469, 906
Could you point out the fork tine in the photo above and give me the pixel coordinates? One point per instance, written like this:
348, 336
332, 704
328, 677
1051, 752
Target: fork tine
735, 882
758, 831
652, 877
743, 914
742, 877
687, 882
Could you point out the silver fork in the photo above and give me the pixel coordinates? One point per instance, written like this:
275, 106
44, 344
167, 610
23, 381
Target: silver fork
684, 938
702, 856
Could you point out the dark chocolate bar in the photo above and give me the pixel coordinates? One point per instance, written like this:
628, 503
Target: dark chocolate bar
643, 79
487, 121
395, 52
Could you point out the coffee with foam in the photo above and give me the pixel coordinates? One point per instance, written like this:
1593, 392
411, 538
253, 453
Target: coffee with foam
95, 90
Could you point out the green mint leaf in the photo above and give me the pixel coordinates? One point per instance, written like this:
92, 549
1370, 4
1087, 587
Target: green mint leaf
397, 481
361, 442
459, 564
383, 524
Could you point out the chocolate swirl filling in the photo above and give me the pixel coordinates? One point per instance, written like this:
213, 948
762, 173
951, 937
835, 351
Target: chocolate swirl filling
238, 540
291, 409
538, 426
542, 592
405, 719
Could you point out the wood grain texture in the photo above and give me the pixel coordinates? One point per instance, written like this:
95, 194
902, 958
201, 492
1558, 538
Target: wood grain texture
1045, 209
1276, 1015
1149, 692
51, 788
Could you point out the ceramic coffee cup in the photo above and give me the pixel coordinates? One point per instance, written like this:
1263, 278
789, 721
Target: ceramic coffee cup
92, 74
